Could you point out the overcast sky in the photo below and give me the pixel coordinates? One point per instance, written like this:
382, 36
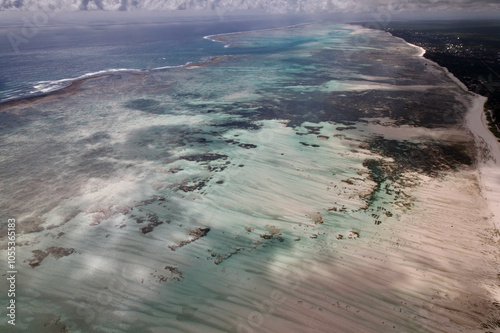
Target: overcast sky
436, 7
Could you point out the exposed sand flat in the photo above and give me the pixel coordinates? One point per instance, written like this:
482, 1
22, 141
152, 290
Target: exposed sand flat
386, 127
366, 85
434, 269
489, 156
430, 268
258, 226
421, 50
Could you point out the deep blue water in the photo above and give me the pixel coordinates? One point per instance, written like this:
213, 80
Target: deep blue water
65, 50
277, 151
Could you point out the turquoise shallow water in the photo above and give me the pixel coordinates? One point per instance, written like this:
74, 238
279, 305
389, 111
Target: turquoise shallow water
71, 46
175, 199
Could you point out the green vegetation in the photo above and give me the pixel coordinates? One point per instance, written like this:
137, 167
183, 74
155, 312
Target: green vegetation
489, 110
470, 50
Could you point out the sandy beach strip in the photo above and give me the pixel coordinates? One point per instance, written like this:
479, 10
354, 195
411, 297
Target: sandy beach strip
488, 156
488, 145
430, 266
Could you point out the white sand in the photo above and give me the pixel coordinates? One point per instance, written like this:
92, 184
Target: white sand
421, 50
429, 271
430, 268
488, 154
367, 85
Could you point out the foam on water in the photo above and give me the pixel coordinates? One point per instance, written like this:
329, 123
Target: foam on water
131, 171
48, 86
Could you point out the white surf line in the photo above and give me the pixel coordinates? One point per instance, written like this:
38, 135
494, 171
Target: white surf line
421, 49
173, 66
212, 37
54, 85
422, 52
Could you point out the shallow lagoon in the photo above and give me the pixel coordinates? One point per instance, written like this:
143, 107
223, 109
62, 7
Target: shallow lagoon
236, 194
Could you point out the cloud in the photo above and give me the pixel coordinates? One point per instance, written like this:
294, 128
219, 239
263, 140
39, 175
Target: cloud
273, 6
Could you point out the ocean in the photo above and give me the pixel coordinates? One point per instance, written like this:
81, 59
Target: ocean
46, 57
220, 175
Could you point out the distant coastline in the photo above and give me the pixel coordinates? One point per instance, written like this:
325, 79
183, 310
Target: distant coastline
469, 50
478, 121
273, 184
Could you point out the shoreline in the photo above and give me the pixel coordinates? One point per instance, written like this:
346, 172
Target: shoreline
294, 241
422, 54
488, 147
488, 163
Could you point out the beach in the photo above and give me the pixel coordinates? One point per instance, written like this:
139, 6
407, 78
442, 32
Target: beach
490, 156
298, 194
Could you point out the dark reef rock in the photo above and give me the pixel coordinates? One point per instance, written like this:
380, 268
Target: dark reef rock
424, 157
145, 105
153, 223
204, 157
429, 158
196, 186
247, 145
175, 275
56, 252
197, 233
272, 236
345, 128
